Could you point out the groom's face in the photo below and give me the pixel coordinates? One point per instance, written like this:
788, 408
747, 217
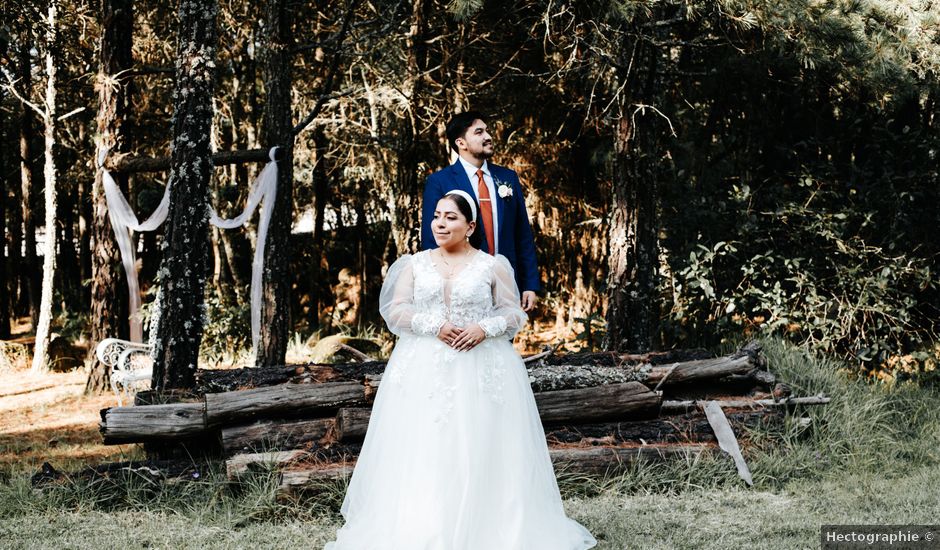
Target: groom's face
477, 141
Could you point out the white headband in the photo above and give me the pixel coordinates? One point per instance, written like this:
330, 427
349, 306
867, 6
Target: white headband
464, 194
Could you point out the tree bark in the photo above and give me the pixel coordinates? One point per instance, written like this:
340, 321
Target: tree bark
285, 399
404, 202
17, 284
596, 403
108, 296
277, 130
5, 245
633, 254
68, 272
274, 434
321, 191
152, 422
41, 351
27, 185
186, 246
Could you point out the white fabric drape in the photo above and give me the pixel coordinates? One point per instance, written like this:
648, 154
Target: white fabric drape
124, 221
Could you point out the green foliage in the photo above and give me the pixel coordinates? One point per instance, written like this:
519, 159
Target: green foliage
227, 328
802, 198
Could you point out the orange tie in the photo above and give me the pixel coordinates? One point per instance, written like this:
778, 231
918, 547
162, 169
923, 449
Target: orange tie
486, 212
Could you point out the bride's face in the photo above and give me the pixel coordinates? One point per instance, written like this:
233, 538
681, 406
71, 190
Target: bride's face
450, 227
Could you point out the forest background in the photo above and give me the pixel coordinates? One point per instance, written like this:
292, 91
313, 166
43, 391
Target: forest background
694, 171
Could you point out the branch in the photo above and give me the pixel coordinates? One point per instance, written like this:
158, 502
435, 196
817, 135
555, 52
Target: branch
128, 163
12, 89
146, 70
328, 85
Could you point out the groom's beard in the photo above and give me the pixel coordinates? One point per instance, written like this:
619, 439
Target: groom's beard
483, 154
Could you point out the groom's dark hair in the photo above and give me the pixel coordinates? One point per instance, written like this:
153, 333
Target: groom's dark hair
458, 124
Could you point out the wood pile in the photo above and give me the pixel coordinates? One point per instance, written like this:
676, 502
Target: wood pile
600, 411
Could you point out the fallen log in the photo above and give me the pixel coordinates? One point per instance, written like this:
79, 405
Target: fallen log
297, 479
677, 407
296, 482
152, 422
690, 427
240, 464
580, 370
611, 460
178, 420
351, 423
742, 361
284, 399
578, 405
619, 359
274, 434
225, 380
597, 403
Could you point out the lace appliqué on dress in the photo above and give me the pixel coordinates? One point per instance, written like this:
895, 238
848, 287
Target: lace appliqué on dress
470, 301
427, 323
490, 377
493, 326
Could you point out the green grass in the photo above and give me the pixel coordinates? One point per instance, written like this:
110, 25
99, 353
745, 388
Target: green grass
870, 456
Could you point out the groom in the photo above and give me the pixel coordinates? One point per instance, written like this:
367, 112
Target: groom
503, 217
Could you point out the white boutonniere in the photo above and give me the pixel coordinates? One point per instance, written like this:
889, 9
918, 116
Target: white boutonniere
503, 188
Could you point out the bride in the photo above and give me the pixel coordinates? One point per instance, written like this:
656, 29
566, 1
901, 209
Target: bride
455, 456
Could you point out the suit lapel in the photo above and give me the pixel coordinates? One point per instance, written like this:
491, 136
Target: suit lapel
460, 180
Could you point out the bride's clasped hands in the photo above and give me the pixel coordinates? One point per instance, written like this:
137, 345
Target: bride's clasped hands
452, 232
461, 339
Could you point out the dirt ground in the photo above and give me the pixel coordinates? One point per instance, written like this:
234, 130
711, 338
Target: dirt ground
47, 418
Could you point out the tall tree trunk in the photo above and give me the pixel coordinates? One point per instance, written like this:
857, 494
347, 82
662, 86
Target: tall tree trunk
320, 192
235, 244
84, 235
633, 250
109, 301
183, 270
277, 130
15, 227
27, 184
404, 203
68, 272
5, 246
41, 351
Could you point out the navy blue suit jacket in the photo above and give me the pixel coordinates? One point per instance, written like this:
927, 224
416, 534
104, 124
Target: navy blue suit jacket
515, 239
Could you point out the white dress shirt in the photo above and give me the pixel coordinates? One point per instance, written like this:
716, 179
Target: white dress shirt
475, 184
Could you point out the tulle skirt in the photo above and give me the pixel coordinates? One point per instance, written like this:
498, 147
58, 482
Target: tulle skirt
455, 458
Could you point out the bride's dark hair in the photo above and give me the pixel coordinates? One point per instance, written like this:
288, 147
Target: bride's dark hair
476, 238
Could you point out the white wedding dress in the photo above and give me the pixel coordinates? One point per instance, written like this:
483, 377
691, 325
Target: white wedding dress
455, 456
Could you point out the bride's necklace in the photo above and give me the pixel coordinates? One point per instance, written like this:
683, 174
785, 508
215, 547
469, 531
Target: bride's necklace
455, 265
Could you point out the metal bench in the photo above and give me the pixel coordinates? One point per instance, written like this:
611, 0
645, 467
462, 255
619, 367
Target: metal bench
130, 364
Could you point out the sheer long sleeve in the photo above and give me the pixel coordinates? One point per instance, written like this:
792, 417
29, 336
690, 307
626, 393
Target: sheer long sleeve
508, 318
396, 302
